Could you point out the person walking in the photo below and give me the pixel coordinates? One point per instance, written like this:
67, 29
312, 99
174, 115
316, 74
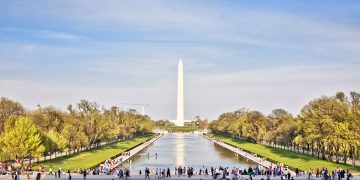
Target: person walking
50, 171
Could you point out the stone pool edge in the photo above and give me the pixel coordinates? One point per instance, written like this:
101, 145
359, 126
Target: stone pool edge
137, 149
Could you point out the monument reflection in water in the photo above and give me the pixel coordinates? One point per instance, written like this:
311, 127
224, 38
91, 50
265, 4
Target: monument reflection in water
180, 150
184, 150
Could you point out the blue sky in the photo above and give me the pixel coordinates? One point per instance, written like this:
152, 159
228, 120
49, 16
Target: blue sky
256, 54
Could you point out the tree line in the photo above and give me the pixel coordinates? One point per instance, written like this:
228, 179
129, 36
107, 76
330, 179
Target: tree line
326, 127
26, 134
197, 123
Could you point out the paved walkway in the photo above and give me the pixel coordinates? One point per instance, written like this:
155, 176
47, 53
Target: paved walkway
77, 176
244, 154
109, 177
134, 151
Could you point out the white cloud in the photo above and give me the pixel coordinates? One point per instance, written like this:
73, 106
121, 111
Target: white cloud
265, 89
209, 95
45, 34
215, 44
58, 35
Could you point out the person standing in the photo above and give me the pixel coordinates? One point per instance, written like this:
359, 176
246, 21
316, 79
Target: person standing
268, 176
59, 172
189, 172
333, 176
69, 174
168, 173
127, 173
274, 171
250, 172
297, 172
147, 173
84, 174
38, 175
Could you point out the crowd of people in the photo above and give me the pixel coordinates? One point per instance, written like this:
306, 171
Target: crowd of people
114, 168
238, 150
325, 174
234, 173
226, 173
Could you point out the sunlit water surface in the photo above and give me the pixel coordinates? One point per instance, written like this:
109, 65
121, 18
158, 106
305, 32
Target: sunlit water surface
184, 150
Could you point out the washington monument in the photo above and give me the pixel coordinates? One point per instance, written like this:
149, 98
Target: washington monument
180, 96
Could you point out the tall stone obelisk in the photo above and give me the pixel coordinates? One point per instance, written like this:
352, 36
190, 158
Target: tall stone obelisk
180, 96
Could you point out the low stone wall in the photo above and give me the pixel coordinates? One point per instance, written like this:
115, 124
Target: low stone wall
135, 150
244, 154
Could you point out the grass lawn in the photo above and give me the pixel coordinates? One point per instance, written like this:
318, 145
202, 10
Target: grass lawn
290, 158
87, 159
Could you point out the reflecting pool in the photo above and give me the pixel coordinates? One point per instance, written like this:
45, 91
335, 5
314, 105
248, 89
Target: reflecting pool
184, 150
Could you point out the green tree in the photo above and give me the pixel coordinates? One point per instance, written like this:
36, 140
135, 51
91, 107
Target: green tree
282, 127
8, 108
55, 142
318, 118
73, 132
23, 141
48, 118
354, 126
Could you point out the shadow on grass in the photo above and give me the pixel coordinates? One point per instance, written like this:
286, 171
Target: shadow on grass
288, 157
92, 157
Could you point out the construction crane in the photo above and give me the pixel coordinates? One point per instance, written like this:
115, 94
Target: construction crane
143, 105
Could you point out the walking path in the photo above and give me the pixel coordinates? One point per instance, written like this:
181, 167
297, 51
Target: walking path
132, 152
109, 177
123, 159
244, 154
